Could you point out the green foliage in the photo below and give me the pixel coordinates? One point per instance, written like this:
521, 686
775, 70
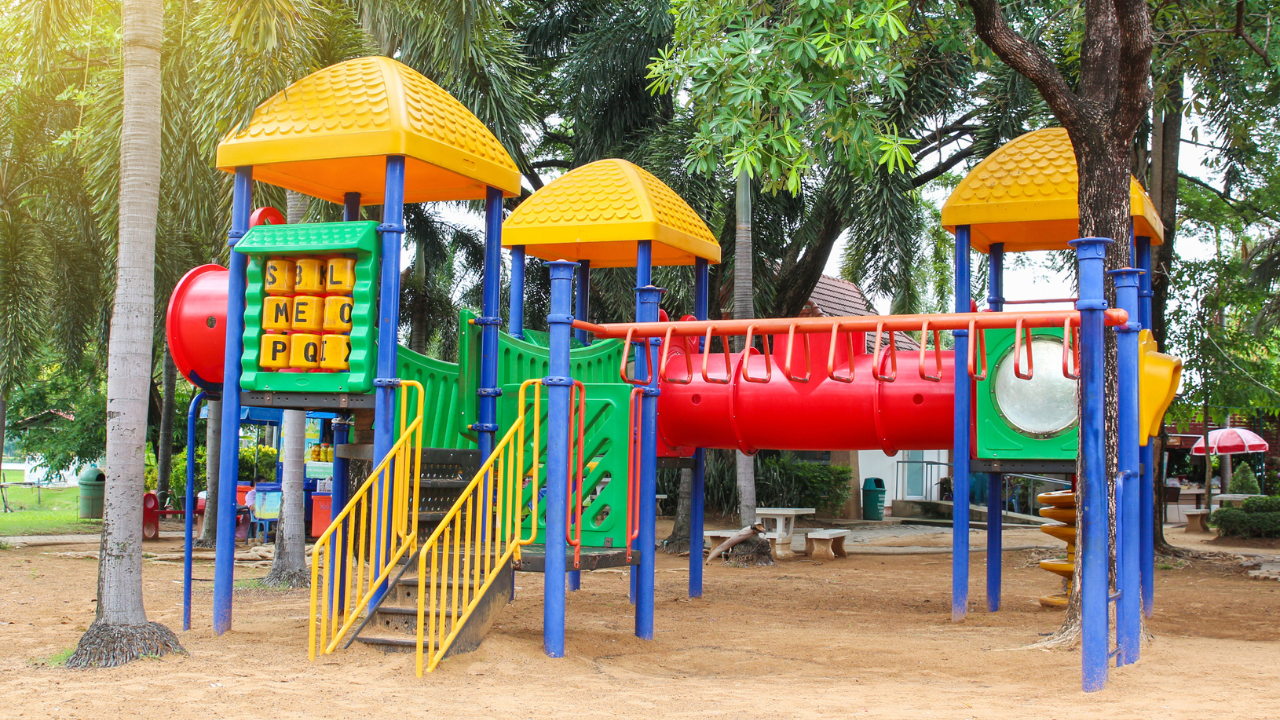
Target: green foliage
70, 401
777, 90
1268, 504
1240, 523
1243, 481
178, 480
266, 464
781, 481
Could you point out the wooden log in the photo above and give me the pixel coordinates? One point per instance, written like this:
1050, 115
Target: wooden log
746, 532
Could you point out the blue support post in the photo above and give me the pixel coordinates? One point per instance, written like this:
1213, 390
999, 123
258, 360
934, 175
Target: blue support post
229, 464
515, 313
351, 207
190, 508
1092, 549
995, 481
487, 404
960, 445
337, 501
559, 384
1146, 453
1129, 605
644, 278
646, 540
387, 379
697, 492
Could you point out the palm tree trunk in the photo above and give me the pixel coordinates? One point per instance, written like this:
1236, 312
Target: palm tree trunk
4, 407
120, 632
289, 567
212, 461
164, 445
744, 308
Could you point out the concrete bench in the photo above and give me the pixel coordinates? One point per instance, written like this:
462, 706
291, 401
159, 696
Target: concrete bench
780, 545
1197, 521
825, 544
712, 538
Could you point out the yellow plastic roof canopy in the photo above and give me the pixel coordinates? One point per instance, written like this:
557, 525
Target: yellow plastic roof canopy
329, 133
599, 212
1026, 195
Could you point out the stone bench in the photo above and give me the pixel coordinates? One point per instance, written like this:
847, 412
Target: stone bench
825, 544
1197, 521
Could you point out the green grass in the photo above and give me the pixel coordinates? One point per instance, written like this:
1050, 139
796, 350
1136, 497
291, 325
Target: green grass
57, 659
51, 512
14, 475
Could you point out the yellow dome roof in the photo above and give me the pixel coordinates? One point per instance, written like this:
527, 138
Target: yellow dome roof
1025, 196
328, 134
599, 211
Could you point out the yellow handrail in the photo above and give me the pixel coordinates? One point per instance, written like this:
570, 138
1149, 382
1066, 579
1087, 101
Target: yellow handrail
358, 572
465, 555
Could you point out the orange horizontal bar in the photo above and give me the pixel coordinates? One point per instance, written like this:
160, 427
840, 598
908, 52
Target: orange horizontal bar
868, 323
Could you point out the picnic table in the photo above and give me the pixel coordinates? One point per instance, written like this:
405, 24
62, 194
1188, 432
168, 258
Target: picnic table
783, 521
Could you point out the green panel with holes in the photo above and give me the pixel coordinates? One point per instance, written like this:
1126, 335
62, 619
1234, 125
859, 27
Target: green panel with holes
997, 437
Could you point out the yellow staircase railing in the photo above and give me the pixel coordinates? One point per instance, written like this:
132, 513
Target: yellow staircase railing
352, 560
478, 537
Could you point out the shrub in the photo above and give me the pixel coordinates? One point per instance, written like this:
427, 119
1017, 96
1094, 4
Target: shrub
178, 478
1261, 504
1239, 523
781, 481
266, 470
1243, 481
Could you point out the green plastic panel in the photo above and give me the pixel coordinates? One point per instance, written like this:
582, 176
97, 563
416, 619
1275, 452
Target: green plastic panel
519, 360
360, 238
440, 408
604, 491
999, 440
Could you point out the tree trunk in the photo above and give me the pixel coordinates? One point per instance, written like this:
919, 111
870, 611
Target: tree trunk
212, 461
678, 541
418, 313
164, 447
120, 632
296, 205
744, 309
289, 567
4, 407
1166, 134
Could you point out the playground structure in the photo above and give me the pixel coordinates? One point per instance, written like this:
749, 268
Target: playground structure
474, 477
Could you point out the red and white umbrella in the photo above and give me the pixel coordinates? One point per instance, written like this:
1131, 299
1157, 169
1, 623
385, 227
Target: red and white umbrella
1230, 441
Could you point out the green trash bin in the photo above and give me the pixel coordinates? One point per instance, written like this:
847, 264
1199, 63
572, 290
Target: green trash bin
873, 499
92, 482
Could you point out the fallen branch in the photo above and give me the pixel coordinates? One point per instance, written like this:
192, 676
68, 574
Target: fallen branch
747, 532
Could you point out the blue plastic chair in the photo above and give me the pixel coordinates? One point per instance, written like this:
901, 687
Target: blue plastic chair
265, 514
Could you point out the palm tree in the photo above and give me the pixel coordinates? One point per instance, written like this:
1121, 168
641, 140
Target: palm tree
744, 309
120, 632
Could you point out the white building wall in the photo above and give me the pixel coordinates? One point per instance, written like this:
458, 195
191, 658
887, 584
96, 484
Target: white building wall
874, 463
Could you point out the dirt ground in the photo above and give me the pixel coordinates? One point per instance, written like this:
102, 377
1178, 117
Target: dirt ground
864, 636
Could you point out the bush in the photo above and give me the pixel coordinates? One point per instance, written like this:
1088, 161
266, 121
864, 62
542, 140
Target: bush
266, 470
1243, 481
781, 481
178, 478
1261, 504
1239, 523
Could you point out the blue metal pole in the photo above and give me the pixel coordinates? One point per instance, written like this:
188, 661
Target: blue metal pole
338, 501
229, 463
995, 482
387, 379
697, 492
515, 319
351, 206
558, 383
644, 277
488, 392
583, 310
1092, 549
189, 516
648, 302
960, 446
1129, 606
1146, 453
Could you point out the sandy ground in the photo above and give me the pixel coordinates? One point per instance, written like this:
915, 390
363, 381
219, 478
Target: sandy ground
865, 636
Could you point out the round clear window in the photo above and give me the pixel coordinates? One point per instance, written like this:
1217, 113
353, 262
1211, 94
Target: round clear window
1043, 405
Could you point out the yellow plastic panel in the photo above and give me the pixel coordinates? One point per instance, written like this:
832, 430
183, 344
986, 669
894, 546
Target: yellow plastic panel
308, 313
329, 134
279, 277
335, 352
1025, 195
304, 351
275, 351
309, 277
337, 313
598, 212
342, 276
277, 313
1158, 377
